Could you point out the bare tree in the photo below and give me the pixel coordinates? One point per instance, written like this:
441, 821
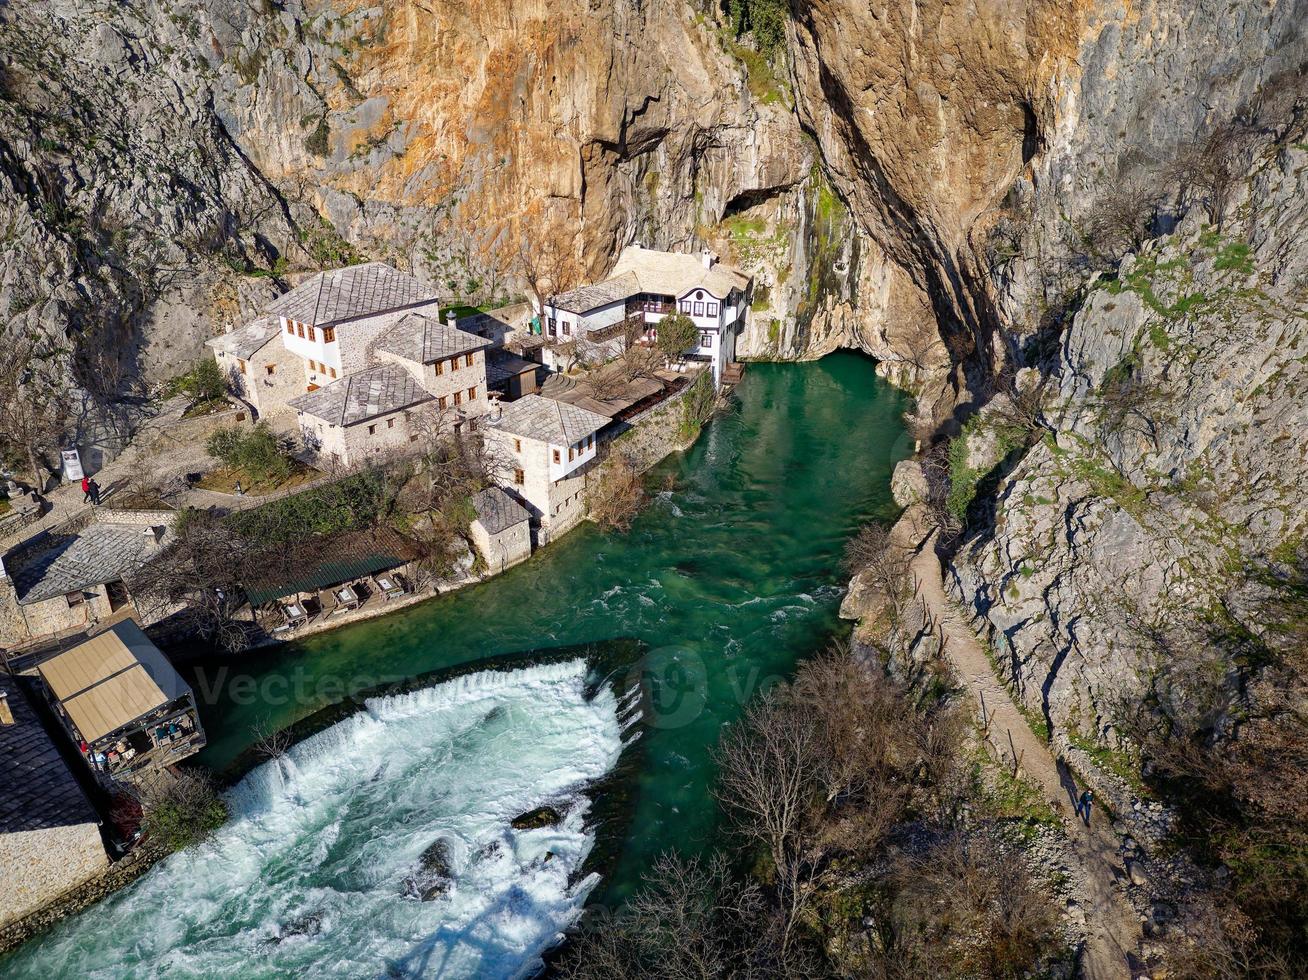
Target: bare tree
568, 352
1207, 170
201, 571
34, 404
883, 563
618, 495
769, 767
690, 921
546, 263
1121, 220
269, 741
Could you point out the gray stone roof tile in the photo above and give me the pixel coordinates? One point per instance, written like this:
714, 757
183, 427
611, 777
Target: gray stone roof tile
350, 293
363, 395
426, 340
676, 273
37, 789
497, 510
244, 342
547, 420
586, 298
67, 563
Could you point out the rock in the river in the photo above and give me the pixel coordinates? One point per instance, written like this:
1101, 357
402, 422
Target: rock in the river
541, 816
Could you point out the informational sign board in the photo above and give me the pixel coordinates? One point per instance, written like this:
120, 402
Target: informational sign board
72, 465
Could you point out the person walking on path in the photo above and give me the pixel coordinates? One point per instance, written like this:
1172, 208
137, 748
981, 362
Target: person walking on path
1083, 806
86, 490
93, 490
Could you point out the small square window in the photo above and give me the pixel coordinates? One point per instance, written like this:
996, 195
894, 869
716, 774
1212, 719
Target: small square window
332, 372
74, 599
519, 477
372, 430
390, 423
311, 334
454, 363
558, 457
290, 328
440, 402
271, 369
472, 393
517, 445
440, 367
467, 360
458, 398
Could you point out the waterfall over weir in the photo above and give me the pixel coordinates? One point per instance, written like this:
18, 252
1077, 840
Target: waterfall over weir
320, 870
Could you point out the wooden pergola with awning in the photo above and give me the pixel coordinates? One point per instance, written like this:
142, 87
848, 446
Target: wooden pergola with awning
122, 702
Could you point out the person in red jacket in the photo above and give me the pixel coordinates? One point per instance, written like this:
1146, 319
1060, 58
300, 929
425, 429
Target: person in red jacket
86, 489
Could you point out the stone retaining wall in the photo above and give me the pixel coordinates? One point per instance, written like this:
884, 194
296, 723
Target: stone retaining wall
79, 897
135, 518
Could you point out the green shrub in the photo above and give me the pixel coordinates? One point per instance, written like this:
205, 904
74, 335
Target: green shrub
346, 505
697, 405
256, 451
677, 334
184, 813
203, 383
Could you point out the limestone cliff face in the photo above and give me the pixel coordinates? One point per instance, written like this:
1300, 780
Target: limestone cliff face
1176, 460
166, 165
973, 142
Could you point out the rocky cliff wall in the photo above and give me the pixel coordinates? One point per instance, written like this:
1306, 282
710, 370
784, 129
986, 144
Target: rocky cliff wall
166, 166
1175, 463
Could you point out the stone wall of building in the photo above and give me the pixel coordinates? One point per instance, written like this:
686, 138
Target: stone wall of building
40, 865
505, 549
456, 376
268, 391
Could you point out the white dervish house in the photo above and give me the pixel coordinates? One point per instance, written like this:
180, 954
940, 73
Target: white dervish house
645, 286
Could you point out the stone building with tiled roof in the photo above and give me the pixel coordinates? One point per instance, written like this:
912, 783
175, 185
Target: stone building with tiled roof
327, 327
501, 530
72, 579
543, 450
365, 415
49, 833
258, 367
449, 363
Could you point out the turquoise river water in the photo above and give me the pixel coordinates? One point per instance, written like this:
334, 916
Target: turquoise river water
726, 580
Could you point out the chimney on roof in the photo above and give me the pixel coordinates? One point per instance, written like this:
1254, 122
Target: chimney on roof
6, 715
451, 318
708, 258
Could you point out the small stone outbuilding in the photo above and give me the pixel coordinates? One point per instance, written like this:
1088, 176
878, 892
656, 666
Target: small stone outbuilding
502, 530
49, 833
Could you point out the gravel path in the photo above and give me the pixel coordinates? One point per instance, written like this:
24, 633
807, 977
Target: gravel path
1113, 928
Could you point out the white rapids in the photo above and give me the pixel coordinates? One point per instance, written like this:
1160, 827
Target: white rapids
314, 874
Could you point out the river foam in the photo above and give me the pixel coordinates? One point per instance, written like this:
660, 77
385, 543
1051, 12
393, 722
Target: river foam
319, 870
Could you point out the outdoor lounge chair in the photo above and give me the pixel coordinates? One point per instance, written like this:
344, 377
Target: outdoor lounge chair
389, 585
346, 597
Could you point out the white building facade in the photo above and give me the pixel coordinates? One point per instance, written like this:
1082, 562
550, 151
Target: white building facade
645, 286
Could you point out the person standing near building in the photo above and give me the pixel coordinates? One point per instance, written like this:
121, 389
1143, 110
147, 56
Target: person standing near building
93, 489
86, 489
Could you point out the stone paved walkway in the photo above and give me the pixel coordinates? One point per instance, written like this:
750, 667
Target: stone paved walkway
1114, 936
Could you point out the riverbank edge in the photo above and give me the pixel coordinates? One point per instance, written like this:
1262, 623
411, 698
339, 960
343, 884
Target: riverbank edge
80, 897
659, 435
